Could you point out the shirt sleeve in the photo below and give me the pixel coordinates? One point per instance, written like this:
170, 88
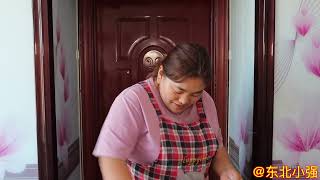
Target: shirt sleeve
122, 127
212, 116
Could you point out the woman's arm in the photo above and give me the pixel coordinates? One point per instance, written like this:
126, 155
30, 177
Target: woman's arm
112, 168
223, 167
119, 135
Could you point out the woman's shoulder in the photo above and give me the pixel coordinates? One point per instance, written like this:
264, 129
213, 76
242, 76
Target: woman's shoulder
207, 98
136, 97
208, 104
133, 93
212, 116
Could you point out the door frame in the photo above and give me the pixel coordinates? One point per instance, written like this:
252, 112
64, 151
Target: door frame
263, 83
48, 166
219, 30
44, 80
44, 87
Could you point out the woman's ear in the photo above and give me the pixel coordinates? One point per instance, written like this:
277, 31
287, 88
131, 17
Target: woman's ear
160, 71
160, 74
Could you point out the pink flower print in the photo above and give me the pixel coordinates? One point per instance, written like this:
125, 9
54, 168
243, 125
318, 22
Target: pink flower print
63, 138
62, 61
244, 145
244, 115
300, 138
12, 156
7, 145
58, 36
312, 61
316, 40
304, 10
303, 21
58, 30
66, 89
243, 132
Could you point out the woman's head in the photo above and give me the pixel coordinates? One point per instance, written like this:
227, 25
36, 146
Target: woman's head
184, 61
182, 76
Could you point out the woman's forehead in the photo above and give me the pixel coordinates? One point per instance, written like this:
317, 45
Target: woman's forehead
190, 84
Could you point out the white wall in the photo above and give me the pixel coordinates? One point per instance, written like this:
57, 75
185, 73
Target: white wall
17, 89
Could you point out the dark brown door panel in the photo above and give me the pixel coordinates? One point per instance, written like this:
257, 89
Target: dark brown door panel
121, 40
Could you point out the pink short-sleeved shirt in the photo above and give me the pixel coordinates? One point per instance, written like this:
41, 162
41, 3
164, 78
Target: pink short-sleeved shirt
131, 129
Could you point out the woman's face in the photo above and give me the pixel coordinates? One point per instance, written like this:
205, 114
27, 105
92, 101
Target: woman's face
178, 96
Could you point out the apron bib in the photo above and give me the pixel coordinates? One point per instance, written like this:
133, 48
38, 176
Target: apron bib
185, 148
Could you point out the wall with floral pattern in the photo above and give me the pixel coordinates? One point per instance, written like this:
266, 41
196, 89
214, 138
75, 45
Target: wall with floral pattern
297, 83
66, 85
241, 79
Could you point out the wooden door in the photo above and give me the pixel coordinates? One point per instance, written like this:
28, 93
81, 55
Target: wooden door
126, 32
116, 47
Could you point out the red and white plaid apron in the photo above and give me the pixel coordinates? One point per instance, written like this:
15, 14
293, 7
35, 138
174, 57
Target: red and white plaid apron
188, 147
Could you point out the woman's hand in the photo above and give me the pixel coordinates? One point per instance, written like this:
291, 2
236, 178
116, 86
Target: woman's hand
223, 167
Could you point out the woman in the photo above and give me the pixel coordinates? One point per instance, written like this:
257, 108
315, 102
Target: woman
165, 127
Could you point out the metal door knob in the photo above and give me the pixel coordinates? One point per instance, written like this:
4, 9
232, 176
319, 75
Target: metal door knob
152, 57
